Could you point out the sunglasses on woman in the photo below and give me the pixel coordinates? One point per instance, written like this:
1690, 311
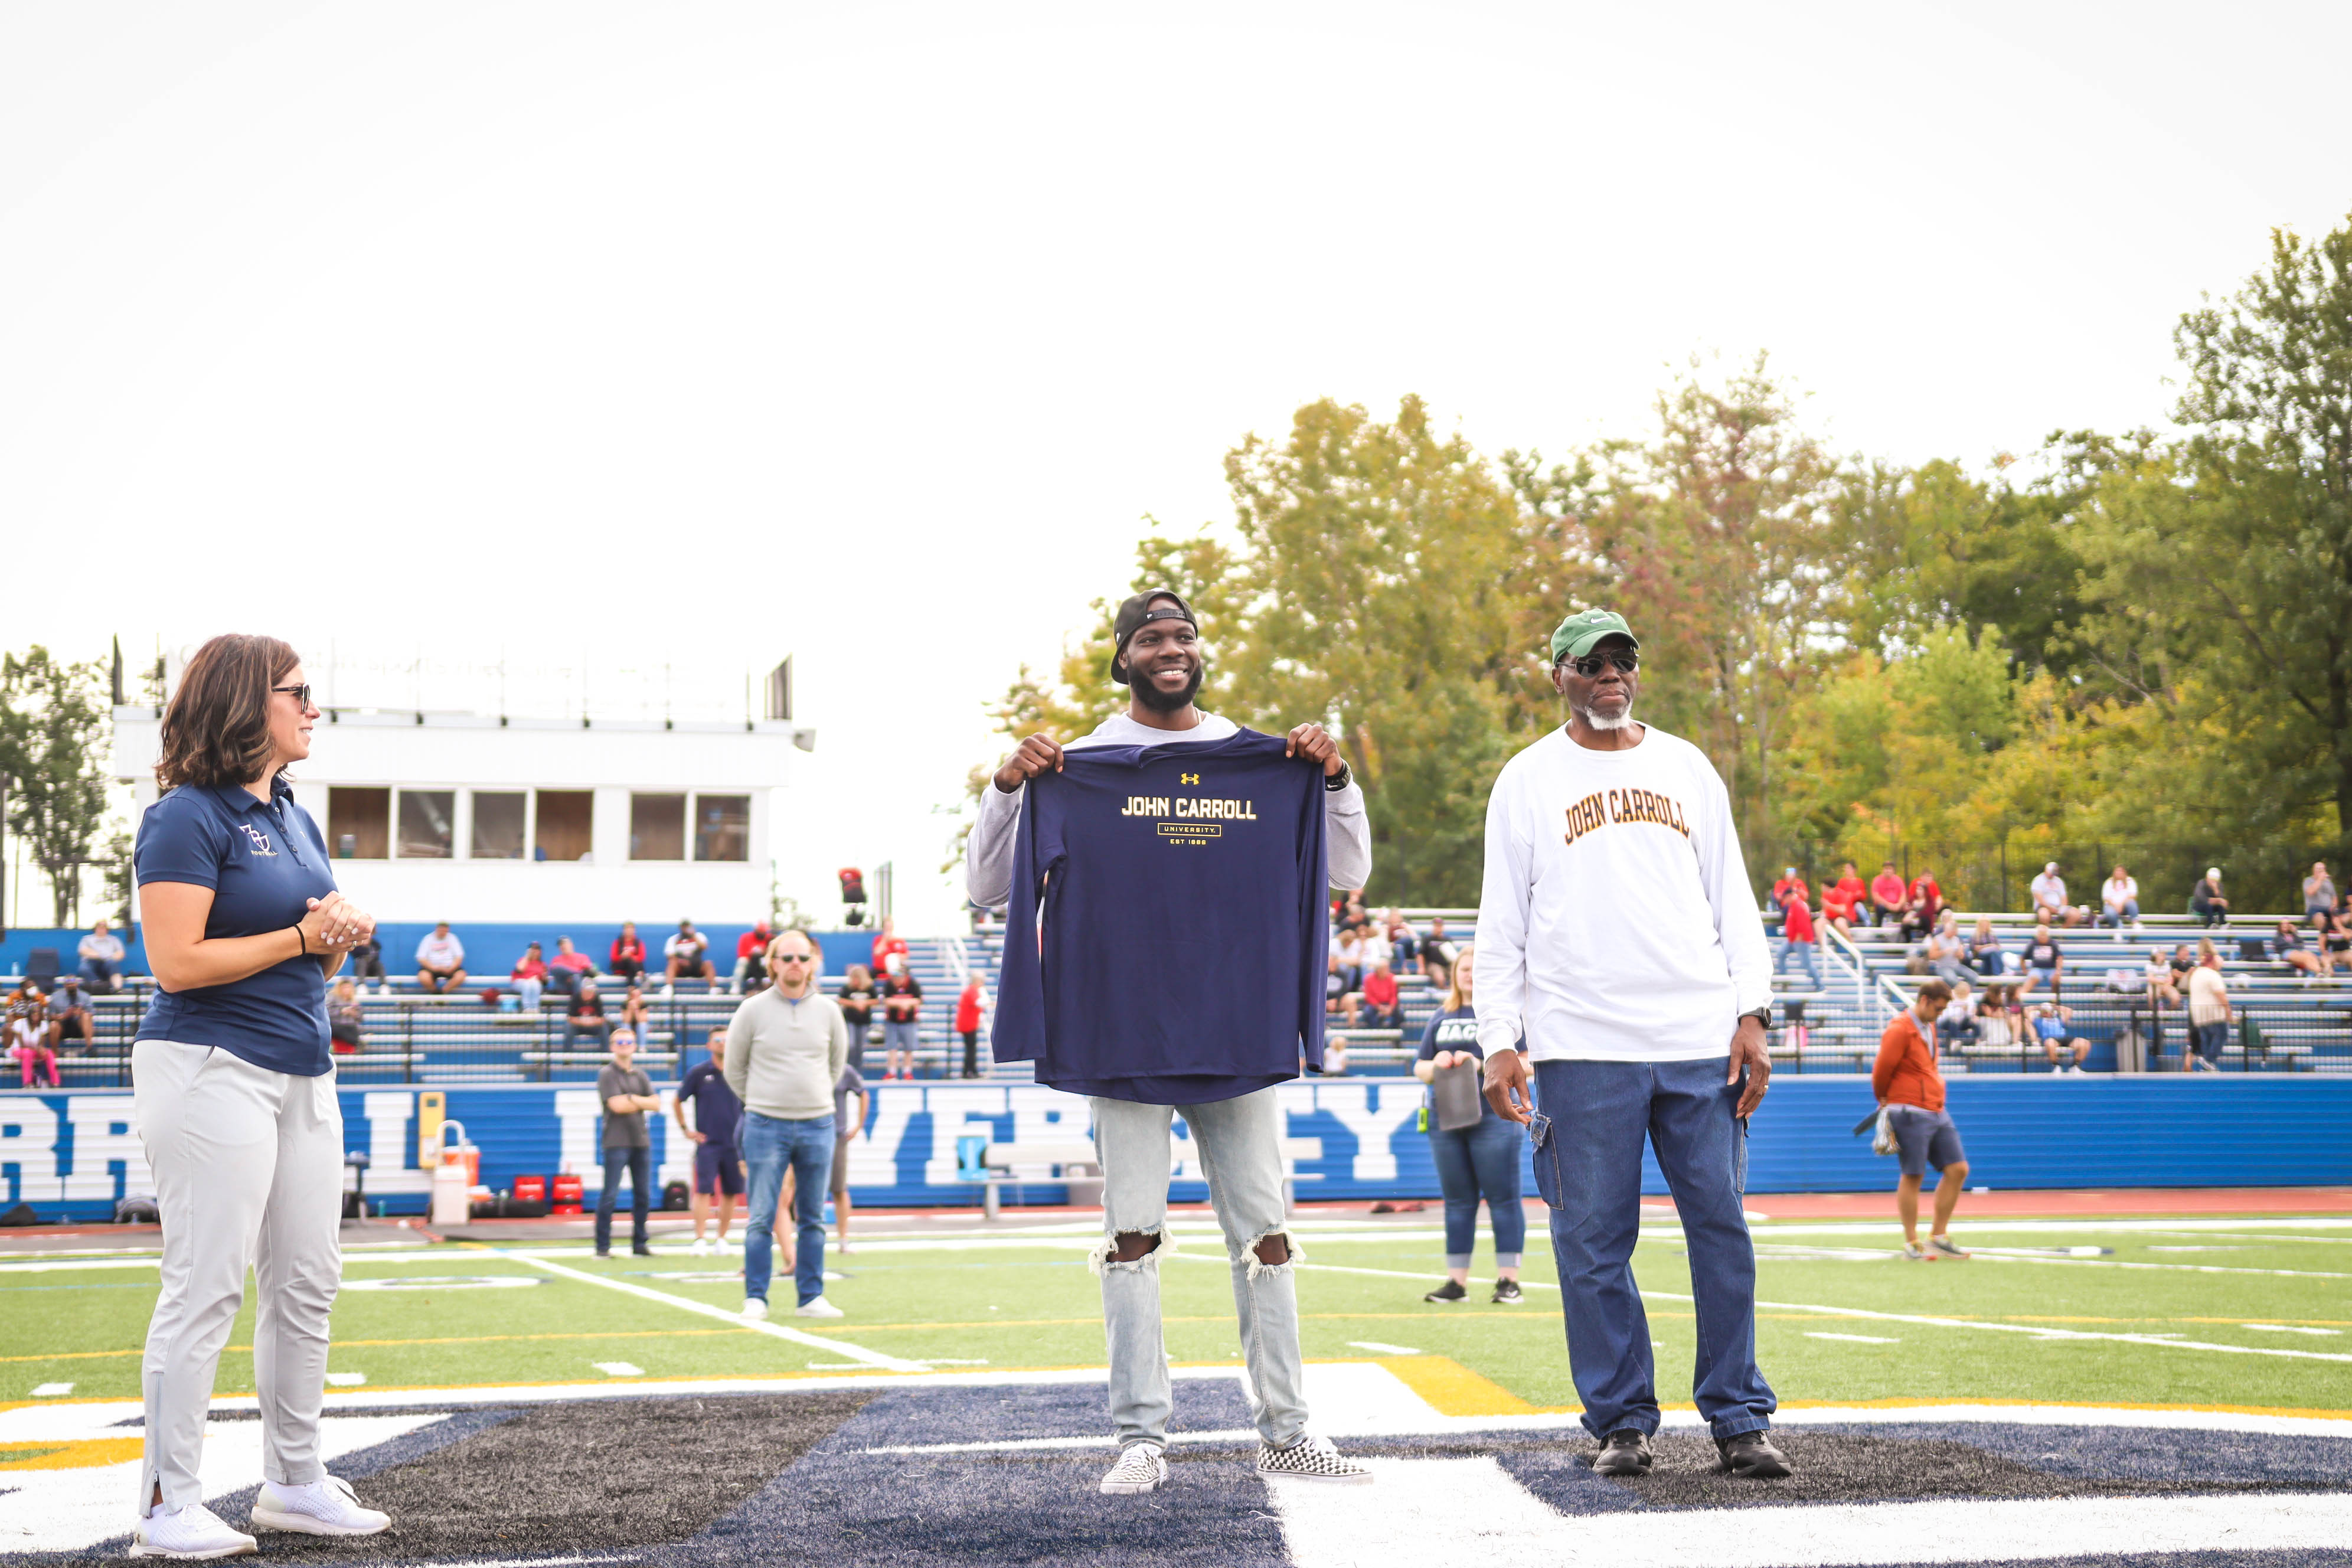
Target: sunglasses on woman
1590, 664
302, 694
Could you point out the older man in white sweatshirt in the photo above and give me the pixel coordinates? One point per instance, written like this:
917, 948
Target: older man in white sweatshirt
1618, 932
785, 1050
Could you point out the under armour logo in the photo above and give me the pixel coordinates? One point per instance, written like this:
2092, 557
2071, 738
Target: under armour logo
1188, 778
260, 839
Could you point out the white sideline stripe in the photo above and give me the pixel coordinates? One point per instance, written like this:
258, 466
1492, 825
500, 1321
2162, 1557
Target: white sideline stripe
2033, 1331
1375, 1273
2173, 1267
1474, 1512
1857, 1338
775, 1330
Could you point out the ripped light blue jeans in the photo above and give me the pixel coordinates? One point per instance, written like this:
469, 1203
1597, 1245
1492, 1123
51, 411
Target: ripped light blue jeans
1238, 1145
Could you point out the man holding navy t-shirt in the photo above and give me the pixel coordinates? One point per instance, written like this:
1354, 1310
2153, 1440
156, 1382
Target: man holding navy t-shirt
1235, 1125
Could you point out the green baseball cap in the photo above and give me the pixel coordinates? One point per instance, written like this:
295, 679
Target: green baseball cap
1574, 638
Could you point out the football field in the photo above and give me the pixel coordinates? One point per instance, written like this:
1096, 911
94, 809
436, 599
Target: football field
967, 1373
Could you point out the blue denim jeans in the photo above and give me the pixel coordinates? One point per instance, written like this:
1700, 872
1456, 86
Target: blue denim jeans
1481, 1162
639, 1164
1801, 952
771, 1144
1592, 1178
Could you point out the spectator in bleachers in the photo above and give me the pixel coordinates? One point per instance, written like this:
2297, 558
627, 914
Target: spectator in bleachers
1480, 1161
626, 959
751, 959
1798, 938
568, 968
70, 1020
1910, 1085
1947, 953
626, 1094
967, 1023
1437, 954
857, 998
902, 1012
1377, 950
1842, 904
687, 956
28, 1042
440, 961
530, 977
2339, 937
634, 1014
2119, 901
346, 1024
1888, 895
585, 1017
2319, 891
886, 942
2044, 962
367, 962
2287, 947
2163, 980
2050, 1026
2209, 1010
1923, 905
1349, 951
2050, 900
715, 1133
1956, 1024
100, 954
1385, 1010
1337, 998
1404, 947
1791, 884
2205, 900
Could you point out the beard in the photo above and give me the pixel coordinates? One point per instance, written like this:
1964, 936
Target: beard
1622, 721
1146, 691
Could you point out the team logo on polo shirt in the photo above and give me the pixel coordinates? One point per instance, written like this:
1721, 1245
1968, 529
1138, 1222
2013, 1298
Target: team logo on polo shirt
260, 839
1188, 778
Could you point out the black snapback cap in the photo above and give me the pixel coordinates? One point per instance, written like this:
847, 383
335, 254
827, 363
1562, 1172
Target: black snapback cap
1138, 613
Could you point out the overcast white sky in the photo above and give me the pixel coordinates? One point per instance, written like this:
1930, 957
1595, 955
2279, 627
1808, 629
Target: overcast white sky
692, 335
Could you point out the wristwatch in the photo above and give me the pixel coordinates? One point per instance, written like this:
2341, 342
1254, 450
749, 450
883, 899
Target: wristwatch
1761, 1014
1337, 782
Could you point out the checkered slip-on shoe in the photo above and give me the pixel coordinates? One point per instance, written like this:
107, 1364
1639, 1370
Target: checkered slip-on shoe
1141, 1467
1311, 1459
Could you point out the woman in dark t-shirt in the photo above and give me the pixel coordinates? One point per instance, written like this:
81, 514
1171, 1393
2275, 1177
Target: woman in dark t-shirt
1474, 1162
858, 999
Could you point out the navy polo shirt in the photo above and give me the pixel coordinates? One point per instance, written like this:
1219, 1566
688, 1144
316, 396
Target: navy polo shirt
263, 863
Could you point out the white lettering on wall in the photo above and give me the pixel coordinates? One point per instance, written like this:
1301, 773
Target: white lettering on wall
105, 1137
28, 1150
1372, 1119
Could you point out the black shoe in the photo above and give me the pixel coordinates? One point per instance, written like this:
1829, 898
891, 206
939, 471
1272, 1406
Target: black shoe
1623, 1453
1751, 1455
1506, 1292
1450, 1290
603, 1252
641, 1250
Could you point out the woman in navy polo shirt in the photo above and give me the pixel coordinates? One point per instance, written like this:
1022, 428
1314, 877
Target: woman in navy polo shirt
236, 1094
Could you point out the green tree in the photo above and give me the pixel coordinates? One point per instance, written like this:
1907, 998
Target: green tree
52, 719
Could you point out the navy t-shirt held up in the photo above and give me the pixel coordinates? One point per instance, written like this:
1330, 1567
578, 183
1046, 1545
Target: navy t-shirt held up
264, 863
1177, 894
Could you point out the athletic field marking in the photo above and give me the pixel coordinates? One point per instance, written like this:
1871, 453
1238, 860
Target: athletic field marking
1485, 1516
2042, 1333
775, 1331
52, 1390
618, 1368
346, 1379
2293, 1328
1856, 1339
1992, 1255
1381, 1348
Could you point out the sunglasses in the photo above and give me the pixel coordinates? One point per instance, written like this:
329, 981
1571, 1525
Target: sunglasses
302, 694
1594, 663
794, 957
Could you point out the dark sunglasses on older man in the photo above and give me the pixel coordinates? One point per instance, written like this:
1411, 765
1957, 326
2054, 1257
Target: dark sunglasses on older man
795, 958
302, 694
1625, 660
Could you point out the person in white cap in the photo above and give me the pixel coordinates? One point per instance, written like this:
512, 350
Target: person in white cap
2050, 900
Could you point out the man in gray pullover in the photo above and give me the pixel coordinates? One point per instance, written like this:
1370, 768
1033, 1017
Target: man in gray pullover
785, 1050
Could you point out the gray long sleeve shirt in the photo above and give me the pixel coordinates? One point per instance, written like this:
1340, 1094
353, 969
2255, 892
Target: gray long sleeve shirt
988, 855
783, 1056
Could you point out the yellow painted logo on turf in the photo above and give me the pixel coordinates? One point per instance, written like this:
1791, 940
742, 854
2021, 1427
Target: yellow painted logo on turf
81, 1454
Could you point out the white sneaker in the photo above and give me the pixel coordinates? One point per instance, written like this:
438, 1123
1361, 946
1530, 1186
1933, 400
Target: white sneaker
193, 1531
842, 1246
700, 1248
755, 1309
1141, 1467
326, 1507
1310, 1460
818, 1306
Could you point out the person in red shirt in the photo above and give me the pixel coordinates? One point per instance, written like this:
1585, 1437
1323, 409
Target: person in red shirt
1910, 1088
1843, 902
628, 955
1380, 995
886, 942
569, 967
1798, 938
530, 977
751, 960
1887, 895
1922, 906
967, 1006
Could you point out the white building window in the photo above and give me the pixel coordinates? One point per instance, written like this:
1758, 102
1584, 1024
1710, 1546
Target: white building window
359, 822
567, 819
428, 820
498, 823
722, 827
658, 827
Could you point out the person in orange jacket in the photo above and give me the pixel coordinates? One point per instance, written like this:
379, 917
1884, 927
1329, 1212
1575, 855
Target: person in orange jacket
1910, 1087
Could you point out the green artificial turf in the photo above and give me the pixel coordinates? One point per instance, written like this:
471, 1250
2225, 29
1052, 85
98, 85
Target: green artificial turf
1029, 1303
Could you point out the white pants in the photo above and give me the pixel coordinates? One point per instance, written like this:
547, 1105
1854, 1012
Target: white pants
248, 1174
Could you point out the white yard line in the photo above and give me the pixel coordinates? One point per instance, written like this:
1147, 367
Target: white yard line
859, 1353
